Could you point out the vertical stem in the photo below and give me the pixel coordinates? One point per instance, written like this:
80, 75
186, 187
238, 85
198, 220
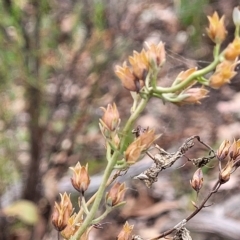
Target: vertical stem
108, 171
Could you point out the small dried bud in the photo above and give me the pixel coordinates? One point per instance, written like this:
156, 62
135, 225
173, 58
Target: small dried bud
147, 138
133, 152
236, 16
193, 95
125, 232
140, 65
184, 75
71, 227
223, 74
233, 50
197, 180
80, 179
234, 150
116, 194
128, 79
216, 31
156, 54
110, 119
62, 212
222, 151
226, 172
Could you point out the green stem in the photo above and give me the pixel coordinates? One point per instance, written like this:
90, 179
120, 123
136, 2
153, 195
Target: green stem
132, 119
193, 76
84, 206
237, 31
108, 171
107, 211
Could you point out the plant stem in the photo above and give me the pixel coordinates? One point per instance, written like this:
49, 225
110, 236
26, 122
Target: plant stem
108, 171
193, 76
202, 205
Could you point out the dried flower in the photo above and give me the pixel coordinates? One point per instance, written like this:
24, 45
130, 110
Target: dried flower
128, 79
71, 227
125, 232
193, 95
236, 16
197, 180
223, 150
226, 172
147, 138
133, 151
232, 51
110, 119
142, 143
62, 212
223, 74
80, 179
156, 54
185, 74
116, 194
140, 65
216, 31
234, 150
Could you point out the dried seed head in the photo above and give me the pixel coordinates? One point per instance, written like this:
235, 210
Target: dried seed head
223, 74
125, 232
216, 30
156, 54
111, 117
71, 227
133, 151
182, 76
232, 51
80, 179
116, 194
234, 150
140, 65
226, 172
62, 212
142, 143
193, 95
128, 79
197, 180
223, 150
147, 138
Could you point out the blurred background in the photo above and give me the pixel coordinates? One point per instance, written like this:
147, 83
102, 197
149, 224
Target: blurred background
57, 63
